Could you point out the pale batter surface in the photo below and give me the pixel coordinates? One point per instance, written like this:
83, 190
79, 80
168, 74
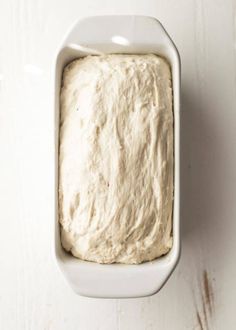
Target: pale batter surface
116, 158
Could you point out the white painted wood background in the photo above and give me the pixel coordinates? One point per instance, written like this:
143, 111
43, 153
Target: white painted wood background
33, 294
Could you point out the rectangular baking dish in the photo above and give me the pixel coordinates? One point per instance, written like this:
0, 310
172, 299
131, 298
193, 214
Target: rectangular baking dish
118, 34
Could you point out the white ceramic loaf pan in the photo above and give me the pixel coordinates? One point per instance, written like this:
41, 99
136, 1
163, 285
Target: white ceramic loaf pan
119, 34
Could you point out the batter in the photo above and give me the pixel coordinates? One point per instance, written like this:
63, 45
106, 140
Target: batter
116, 158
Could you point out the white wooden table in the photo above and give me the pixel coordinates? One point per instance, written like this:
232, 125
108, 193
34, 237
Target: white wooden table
201, 294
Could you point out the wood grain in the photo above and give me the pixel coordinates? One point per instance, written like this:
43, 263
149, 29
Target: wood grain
201, 293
